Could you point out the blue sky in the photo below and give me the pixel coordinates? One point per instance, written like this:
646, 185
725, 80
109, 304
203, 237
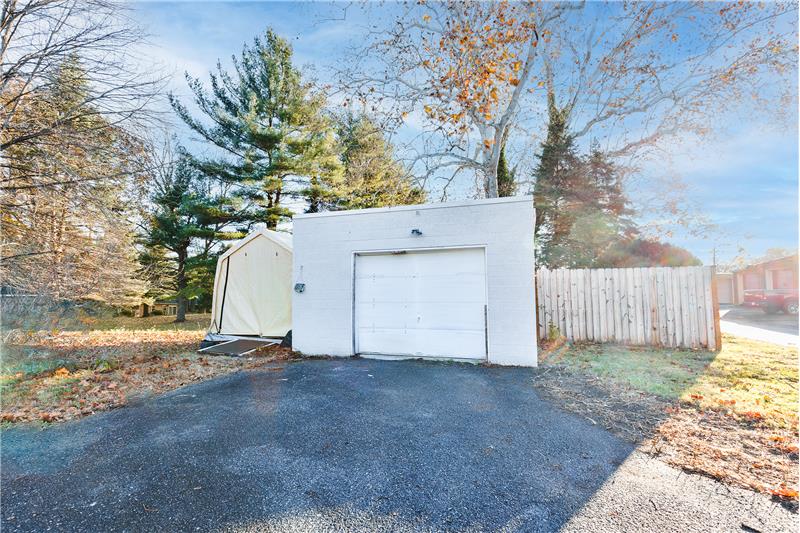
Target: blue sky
744, 180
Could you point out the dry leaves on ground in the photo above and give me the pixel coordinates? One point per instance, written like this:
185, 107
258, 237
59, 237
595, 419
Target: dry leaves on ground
728, 448
735, 449
106, 369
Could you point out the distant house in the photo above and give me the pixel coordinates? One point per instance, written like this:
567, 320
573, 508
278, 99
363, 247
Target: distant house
776, 274
167, 308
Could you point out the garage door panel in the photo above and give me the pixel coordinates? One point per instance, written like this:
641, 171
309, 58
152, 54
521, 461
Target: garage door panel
436, 343
454, 288
427, 303
438, 316
451, 288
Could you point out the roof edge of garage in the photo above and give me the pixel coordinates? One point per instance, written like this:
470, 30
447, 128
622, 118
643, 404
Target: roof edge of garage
442, 205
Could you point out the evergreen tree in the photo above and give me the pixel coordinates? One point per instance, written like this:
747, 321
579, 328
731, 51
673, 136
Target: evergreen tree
604, 177
506, 180
269, 128
185, 215
582, 211
372, 176
603, 222
559, 190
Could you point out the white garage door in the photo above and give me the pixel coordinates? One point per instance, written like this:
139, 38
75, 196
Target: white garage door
725, 290
427, 304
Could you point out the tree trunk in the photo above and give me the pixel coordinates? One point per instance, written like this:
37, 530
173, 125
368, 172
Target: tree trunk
180, 282
491, 160
491, 179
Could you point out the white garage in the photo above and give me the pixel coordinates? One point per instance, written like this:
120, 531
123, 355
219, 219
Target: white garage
451, 280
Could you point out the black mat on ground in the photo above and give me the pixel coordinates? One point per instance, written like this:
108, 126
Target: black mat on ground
237, 347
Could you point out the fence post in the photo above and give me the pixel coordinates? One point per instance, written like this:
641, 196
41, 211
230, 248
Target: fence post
715, 310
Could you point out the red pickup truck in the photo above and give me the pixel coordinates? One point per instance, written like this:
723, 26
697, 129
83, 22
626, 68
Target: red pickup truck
773, 301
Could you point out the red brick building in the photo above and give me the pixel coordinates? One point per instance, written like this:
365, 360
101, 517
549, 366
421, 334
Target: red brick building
769, 275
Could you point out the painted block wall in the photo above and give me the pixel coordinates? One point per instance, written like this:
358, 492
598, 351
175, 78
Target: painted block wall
325, 244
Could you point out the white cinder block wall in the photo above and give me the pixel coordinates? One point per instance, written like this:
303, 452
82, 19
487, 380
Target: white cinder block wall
325, 244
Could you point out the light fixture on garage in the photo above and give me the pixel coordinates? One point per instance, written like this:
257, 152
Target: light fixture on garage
415, 232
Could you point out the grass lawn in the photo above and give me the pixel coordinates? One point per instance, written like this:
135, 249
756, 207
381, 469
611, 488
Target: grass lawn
48, 376
748, 378
194, 322
731, 415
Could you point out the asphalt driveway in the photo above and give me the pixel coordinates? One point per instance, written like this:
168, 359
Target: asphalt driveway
753, 323
356, 445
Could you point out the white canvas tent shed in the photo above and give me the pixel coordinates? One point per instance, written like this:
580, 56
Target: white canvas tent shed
253, 287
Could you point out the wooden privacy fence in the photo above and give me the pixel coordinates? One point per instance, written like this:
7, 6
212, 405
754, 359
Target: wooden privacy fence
674, 307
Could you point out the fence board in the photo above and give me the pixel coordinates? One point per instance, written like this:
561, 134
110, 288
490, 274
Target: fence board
544, 296
616, 304
685, 309
555, 300
676, 305
602, 288
597, 312
580, 307
644, 300
633, 316
647, 306
621, 283
661, 308
566, 308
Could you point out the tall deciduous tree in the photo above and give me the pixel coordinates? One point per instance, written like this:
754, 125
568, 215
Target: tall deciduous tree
269, 129
66, 230
72, 104
635, 74
39, 37
639, 74
466, 66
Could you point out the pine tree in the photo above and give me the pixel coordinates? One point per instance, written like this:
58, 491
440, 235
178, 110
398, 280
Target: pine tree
185, 215
269, 129
582, 211
603, 222
559, 189
605, 177
372, 176
506, 180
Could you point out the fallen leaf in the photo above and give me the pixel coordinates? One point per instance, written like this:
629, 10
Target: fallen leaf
784, 492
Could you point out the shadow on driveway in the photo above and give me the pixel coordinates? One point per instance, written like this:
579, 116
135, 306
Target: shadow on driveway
322, 445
